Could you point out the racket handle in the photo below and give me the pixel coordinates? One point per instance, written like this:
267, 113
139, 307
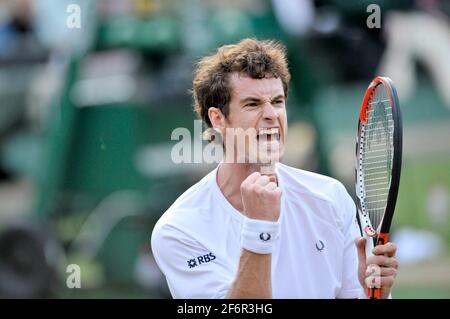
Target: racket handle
375, 293
382, 239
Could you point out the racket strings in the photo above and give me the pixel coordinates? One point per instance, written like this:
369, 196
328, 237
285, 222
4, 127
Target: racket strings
376, 163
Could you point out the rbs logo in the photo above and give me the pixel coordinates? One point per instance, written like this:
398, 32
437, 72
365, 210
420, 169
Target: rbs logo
200, 260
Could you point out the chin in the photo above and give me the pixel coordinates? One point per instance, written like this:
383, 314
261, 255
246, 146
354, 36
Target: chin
267, 159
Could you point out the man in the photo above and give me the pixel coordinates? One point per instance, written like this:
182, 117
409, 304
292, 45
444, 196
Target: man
285, 233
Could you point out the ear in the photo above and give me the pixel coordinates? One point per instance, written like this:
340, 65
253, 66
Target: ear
217, 118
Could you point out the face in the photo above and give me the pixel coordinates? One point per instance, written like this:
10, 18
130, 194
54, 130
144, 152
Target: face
257, 117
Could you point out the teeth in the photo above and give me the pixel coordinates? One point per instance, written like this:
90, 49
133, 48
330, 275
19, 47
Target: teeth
269, 131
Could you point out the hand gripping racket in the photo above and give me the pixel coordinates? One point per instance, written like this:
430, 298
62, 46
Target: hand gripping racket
378, 163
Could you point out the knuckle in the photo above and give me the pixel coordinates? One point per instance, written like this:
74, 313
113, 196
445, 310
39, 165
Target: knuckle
376, 251
394, 246
263, 178
383, 260
388, 272
255, 175
395, 263
391, 248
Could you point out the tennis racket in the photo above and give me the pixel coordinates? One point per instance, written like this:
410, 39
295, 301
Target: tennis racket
378, 163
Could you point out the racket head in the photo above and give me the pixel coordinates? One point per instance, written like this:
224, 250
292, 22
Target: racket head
378, 158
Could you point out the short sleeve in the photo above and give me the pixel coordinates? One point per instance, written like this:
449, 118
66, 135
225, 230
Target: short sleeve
350, 288
191, 270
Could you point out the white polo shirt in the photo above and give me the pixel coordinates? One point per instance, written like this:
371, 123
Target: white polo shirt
196, 243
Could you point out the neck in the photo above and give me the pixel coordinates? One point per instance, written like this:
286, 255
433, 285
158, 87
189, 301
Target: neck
230, 177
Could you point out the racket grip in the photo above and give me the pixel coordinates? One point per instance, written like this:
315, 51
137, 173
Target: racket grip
375, 293
382, 239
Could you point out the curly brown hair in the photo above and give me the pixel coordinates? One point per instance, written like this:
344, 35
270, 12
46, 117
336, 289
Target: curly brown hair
252, 57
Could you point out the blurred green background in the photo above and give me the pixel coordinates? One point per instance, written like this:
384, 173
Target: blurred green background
88, 105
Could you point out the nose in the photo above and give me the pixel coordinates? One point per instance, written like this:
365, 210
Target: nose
269, 112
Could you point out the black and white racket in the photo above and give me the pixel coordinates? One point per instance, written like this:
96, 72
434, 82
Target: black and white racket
378, 162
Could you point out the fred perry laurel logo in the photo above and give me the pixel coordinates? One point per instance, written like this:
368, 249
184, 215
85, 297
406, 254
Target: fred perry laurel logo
264, 236
320, 246
194, 262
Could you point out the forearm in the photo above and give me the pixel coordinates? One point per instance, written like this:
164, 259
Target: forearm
253, 279
260, 230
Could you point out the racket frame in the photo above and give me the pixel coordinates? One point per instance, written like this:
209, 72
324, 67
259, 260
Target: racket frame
382, 232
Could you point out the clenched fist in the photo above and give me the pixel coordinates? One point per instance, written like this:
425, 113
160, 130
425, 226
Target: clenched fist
261, 197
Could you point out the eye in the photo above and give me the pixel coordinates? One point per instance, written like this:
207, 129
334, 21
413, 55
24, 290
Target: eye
278, 102
252, 104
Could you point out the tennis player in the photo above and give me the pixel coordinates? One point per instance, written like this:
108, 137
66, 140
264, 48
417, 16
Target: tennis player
253, 227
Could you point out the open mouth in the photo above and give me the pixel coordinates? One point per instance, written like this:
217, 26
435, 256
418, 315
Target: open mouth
268, 134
